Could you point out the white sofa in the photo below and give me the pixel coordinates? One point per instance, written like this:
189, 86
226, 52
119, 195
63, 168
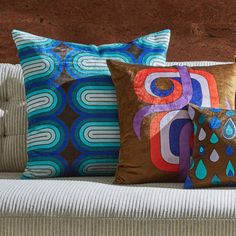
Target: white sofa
93, 206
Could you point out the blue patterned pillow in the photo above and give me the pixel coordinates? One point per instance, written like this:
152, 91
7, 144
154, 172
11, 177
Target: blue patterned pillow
71, 101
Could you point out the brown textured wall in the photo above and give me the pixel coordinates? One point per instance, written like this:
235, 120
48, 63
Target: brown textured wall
201, 29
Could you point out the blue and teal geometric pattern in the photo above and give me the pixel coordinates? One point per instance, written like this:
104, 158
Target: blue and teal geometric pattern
71, 101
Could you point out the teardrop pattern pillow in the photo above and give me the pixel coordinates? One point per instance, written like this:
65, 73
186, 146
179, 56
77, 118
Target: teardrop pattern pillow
71, 101
213, 161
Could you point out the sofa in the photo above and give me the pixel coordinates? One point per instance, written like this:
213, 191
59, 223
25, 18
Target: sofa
89, 206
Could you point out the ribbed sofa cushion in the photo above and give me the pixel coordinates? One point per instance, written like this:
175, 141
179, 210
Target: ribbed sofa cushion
89, 206
13, 120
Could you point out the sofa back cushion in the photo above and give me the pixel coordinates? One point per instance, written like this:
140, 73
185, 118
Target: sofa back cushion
13, 120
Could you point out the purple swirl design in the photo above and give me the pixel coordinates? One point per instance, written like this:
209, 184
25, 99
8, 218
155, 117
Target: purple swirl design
176, 105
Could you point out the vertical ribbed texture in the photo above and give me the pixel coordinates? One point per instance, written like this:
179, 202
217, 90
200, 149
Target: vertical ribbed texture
13, 120
115, 227
68, 208
95, 207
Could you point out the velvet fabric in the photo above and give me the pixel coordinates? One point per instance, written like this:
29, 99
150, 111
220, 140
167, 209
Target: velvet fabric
212, 163
155, 129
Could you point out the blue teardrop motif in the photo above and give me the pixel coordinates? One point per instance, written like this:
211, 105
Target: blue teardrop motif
215, 180
194, 128
215, 122
229, 150
229, 130
230, 170
202, 150
230, 113
188, 183
201, 119
201, 171
215, 109
214, 139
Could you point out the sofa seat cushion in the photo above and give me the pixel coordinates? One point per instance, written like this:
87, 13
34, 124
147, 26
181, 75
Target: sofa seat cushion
83, 205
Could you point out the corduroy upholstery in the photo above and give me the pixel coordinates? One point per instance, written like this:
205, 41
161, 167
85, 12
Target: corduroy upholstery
93, 206
13, 119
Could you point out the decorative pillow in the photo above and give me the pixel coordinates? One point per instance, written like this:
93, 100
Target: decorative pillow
71, 101
155, 128
213, 161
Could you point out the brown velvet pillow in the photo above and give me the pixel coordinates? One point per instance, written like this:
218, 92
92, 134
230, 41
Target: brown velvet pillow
213, 161
155, 129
